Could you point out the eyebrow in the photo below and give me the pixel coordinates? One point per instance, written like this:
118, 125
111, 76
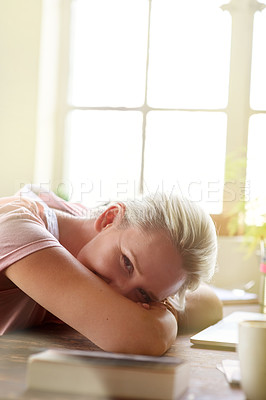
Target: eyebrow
136, 265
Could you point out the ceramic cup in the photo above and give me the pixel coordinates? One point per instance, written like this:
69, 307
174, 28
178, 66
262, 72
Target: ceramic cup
252, 357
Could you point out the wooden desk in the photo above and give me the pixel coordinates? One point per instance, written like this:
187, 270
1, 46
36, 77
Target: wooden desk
206, 381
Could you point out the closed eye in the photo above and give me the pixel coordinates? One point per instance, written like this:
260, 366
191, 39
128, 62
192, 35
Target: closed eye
127, 264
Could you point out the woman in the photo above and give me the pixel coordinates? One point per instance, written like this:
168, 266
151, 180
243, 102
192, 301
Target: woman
116, 277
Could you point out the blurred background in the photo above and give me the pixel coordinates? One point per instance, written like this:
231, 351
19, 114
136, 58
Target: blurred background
112, 99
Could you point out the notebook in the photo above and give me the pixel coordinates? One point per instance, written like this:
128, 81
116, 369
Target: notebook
225, 332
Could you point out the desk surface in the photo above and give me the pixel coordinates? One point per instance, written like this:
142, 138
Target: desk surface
206, 381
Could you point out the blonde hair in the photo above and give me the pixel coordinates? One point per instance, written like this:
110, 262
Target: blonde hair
190, 229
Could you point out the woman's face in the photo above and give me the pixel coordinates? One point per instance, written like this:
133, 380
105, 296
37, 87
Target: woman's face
143, 266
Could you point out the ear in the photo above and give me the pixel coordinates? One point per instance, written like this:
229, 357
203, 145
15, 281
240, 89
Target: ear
112, 214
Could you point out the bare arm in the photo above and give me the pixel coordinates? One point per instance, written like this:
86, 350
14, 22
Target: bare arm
203, 308
63, 286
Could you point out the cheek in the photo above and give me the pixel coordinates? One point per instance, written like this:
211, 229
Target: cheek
100, 259
90, 256
83, 256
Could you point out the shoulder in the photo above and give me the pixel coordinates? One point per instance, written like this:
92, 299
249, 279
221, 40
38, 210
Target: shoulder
50, 199
16, 209
203, 308
22, 230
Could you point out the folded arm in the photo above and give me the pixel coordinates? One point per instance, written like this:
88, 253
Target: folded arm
63, 286
203, 308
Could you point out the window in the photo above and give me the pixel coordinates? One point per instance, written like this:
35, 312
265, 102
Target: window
156, 94
256, 165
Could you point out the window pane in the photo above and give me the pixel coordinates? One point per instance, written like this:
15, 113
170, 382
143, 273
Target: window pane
189, 54
256, 168
109, 51
185, 151
258, 75
104, 155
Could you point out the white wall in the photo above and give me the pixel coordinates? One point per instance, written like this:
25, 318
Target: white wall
19, 68
235, 267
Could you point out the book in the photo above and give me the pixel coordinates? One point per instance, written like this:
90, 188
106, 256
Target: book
107, 374
235, 296
225, 332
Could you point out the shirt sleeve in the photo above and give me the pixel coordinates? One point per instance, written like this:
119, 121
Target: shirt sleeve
50, 199
22, 230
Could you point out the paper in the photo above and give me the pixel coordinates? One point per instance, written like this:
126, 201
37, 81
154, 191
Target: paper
231, 370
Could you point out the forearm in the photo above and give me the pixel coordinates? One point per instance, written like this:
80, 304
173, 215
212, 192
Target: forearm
149, 332
128, 327
63, 286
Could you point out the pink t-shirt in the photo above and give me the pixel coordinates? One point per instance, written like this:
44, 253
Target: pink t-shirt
28, 223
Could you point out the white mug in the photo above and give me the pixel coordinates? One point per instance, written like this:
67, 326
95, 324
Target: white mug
252, 357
